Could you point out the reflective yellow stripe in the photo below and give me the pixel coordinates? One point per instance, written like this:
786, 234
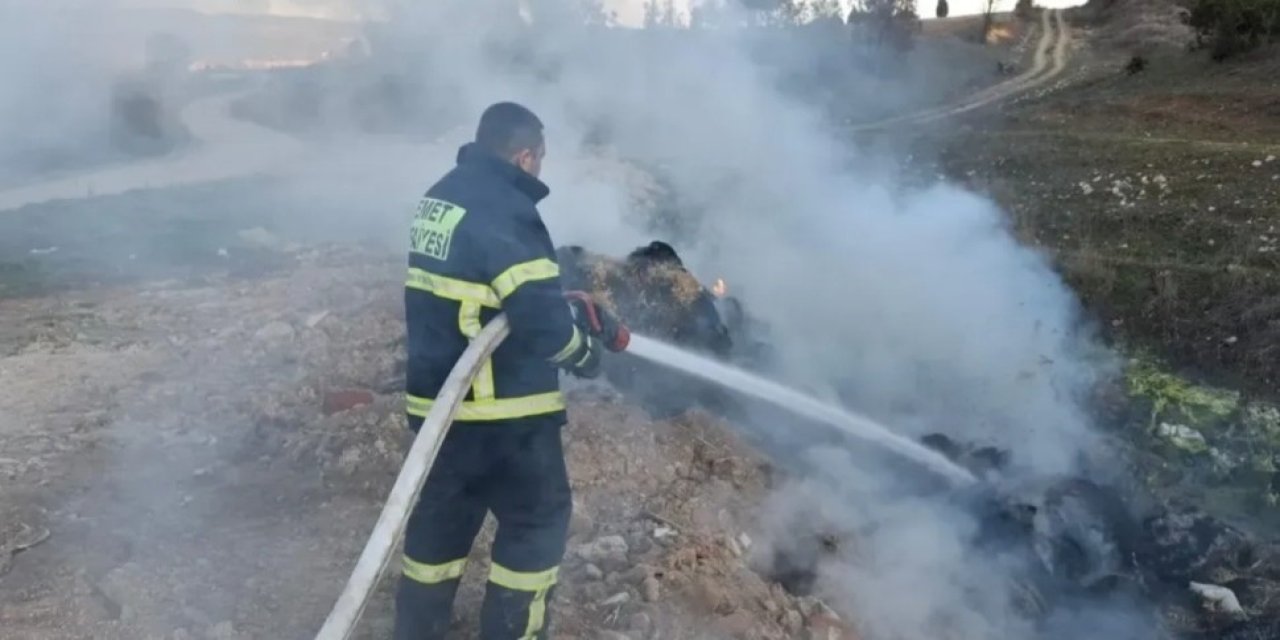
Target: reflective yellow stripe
583, 360
523, 581
537, 582
469, 325
482, 387
511, 279
433, 573
452, 288
537, 615
575, 342
497, 409
469, 318
472, 296
419, 407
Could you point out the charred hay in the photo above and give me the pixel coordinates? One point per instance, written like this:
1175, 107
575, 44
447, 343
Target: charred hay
655, 295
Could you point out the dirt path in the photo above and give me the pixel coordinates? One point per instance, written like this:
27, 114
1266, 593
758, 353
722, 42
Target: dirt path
1060, 49
1055, 37
226, 148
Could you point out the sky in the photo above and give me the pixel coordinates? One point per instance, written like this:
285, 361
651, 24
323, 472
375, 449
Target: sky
632, 11
629, 12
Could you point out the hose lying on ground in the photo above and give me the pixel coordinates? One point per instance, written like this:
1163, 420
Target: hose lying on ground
386, 533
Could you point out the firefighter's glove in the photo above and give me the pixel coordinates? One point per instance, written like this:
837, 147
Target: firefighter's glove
595, 320
585, 363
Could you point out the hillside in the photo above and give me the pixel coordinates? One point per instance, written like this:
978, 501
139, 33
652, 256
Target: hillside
1165, 187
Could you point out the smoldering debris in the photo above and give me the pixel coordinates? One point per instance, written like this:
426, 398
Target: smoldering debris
1073, 556
654, 291
1090, 544
1067, 559
659, 297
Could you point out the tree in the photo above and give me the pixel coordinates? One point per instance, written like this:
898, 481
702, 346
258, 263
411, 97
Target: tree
709, 14
594, 13
943, 9
1024, 9
660, 13
1231, 27
764, 5
988, 18
885, 24
775, 12
822, 9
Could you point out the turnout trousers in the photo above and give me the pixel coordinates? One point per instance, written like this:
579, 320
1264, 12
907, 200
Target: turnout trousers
517, 471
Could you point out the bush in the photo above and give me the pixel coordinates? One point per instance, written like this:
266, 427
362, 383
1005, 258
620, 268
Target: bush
1231, 27
142, 121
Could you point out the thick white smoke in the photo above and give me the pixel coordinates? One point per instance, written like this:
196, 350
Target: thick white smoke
916, 305
52, 97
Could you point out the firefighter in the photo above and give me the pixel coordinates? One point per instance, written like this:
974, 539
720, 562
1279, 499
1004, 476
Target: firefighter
479, 248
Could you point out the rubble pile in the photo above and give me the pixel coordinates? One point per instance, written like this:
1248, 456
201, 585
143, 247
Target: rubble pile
1207, 578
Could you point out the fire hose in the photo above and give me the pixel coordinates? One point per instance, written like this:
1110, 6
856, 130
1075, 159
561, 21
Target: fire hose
373, 560
404, 494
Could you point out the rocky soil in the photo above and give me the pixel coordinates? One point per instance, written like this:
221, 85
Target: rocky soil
203, 459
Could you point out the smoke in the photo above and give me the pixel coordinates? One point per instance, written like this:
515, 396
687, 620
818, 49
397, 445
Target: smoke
913, 304
910, 562
47, 86
911, 567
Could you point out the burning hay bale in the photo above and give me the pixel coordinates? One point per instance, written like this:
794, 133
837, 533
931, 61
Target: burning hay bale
656, 296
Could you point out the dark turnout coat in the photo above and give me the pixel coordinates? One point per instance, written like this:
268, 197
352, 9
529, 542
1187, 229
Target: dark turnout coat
479, 248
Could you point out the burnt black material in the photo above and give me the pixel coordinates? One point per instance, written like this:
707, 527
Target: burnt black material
1184, 544
642, 292
656, 252
1095, 567
1083, 534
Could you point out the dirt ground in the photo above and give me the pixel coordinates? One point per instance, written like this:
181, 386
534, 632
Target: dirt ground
205, 459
